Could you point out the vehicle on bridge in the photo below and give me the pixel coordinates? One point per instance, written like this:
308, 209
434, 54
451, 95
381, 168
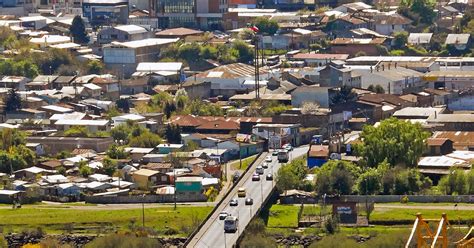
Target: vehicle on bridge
283, 156
230, 224
241, 192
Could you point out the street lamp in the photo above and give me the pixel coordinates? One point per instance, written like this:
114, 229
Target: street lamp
143, 211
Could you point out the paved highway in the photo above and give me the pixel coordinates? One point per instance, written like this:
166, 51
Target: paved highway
212, 232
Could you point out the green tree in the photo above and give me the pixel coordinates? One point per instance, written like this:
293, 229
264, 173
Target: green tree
369, 182
245, 53
95, 67
418, 10
398, 141
77, 131
85, 170
291, 175
173, 134
455, 183
345, 94
78, 30
189, 52
336, 177
400, 40
266, 26
146, 139
13, 101
109, 166
116, 152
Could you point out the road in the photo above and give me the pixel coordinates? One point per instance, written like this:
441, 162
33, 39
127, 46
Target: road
212, 232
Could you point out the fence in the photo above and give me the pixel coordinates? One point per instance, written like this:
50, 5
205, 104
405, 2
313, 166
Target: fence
411, 198
142, 199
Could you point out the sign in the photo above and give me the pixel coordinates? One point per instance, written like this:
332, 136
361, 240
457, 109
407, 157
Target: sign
244, 138
346, 211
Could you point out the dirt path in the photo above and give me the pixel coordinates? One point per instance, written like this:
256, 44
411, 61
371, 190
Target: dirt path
55, 205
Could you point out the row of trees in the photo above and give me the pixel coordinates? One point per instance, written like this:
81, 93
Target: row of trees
192, 53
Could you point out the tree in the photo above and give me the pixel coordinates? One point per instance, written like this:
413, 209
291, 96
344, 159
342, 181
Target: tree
109, 166
455, 183
400, 40
245, 53
95, 67
116, 152
398, 141
11, 137
85, 170
266, 26
78, 30
345, 94
77, 131
291, 175
369, 182
146, 139
173, 134
336, 177
376, 89
189, 52
13, 101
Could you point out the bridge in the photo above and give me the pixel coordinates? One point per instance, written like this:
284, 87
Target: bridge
211, 232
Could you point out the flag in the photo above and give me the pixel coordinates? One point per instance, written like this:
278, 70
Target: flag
255, 29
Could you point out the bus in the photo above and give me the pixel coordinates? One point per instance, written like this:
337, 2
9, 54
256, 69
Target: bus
231, 224
283, 156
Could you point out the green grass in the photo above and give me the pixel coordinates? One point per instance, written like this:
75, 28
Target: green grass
245, 163
91, 221
283, 216
270, 52
410, 214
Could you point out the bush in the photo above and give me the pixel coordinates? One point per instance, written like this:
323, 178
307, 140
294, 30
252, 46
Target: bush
123, 241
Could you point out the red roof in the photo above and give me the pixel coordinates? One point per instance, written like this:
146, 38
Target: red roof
318, 151
327, 56
220, 125
436, 141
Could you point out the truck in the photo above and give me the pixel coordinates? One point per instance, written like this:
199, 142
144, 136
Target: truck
231, 223
283, 156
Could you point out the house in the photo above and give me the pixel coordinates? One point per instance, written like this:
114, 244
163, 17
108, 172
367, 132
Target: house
137, 153
318, 59
169, 148
336, 74
452, 122
109, 86
122, 33
62, 81
163, 71
278, 134
317, 155
181, 33
105, 12
393, 79
312, 94
388, 23
353, 46
382, 105
49, 40
189, 185
91, 125
437, 166
123, 119
458, 41
227, 80
449, 80
123, 57
218, 126
37, 148
439, 146
68, 189
422, 39
56, 144
462, 140
26, 113
146, 178
417, 113
55, 109
135, 85
10, 196
342, 26
14, 82
55, 179
31, 173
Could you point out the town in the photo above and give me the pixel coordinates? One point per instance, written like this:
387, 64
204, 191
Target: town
242, 123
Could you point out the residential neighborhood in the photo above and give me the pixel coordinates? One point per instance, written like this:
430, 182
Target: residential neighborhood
236, 123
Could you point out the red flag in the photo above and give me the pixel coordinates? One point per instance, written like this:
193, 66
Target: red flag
255, 29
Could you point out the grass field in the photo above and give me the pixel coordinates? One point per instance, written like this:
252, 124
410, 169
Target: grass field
245, 163
164, 220
409, 215
283, 216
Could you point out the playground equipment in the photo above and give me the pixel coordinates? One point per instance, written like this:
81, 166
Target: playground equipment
467, 241
425, 237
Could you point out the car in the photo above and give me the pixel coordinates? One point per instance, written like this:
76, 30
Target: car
256, 177
275, 153
288, 147
223, 215
234, 202
259, 170
269, 177
241, 192
236, 177
249, 201
265, 165
268, 158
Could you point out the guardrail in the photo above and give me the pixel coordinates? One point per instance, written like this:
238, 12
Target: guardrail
220, 202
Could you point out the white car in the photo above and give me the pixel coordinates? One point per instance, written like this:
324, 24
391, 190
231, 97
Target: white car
259, 170
268, 158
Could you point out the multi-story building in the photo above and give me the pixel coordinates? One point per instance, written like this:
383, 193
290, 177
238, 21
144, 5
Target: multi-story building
105, 11
204, 14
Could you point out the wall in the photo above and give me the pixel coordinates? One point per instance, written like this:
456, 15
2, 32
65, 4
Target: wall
54, 145
411, 198
141, 199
